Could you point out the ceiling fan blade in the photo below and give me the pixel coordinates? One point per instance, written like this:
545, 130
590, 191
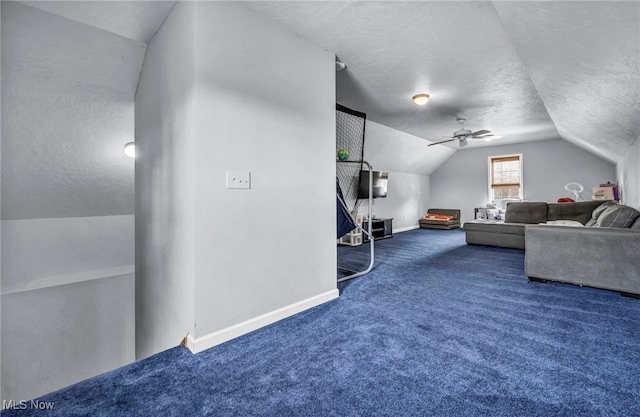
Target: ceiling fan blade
490, 137
442, 141
480, 132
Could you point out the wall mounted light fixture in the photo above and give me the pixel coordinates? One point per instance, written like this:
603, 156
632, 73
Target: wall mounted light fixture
130, 149
421, 99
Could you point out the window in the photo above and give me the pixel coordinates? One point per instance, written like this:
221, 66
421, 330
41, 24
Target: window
505, 177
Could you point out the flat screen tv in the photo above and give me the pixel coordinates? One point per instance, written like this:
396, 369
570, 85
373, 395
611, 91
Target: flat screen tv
379, 182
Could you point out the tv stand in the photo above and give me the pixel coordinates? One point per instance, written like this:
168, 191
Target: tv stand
380, 229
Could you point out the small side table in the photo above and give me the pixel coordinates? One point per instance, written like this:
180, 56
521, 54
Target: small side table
380, 229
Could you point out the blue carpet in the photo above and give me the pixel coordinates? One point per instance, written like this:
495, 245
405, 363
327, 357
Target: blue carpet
438, 328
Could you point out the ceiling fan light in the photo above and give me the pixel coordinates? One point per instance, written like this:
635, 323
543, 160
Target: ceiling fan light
421, 99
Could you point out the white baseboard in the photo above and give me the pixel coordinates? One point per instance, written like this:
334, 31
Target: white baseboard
199, 344
406, 229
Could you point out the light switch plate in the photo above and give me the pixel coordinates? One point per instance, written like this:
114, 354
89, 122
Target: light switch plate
238, 179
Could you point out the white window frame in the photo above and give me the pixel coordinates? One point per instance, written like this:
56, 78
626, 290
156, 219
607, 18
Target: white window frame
490, 196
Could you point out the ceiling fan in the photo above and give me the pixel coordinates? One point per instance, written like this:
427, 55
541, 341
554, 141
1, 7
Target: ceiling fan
463, 134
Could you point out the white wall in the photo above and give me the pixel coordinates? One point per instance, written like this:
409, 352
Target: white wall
67, 201
628, 169
165, 186
67, 301
409, 163
462, 181
271, 113
218, 262
407, 201
67, 112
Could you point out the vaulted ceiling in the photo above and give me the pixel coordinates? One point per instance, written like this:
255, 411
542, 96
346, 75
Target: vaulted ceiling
527, 71
69, 76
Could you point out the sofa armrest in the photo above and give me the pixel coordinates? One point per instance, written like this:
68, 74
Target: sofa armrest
598, 257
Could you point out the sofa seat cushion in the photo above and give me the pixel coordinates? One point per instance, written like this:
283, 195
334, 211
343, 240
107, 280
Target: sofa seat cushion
439, 221
439, 224
573, 223
506, 235
526, 212
495, 227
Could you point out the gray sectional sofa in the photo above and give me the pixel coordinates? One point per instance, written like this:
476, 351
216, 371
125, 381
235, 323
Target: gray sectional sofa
510, 233
586, 243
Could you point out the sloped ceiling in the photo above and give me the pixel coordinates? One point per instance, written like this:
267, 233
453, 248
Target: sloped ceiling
137, 20
68, 105
583, 59
524, 70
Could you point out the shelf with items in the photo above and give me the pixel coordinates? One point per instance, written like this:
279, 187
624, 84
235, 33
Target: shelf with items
484, 213
606, 192
354, 237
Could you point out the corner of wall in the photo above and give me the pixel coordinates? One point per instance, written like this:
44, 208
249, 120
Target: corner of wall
165, 190
628, 175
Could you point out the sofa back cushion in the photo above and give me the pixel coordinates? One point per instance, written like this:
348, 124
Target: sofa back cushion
580, 211
526, 212
617, 216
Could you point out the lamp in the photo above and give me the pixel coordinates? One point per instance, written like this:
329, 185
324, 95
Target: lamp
575, 189
130, 149
421, 99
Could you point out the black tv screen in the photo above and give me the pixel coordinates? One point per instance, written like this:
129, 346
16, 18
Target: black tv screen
379, 184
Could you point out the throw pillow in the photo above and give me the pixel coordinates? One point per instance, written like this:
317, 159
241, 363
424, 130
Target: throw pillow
438, 216
601, 208
617, 216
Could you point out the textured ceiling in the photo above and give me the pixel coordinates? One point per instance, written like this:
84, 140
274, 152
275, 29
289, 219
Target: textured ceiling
583, 58
69, 75
525, 70
137, 20
67, 111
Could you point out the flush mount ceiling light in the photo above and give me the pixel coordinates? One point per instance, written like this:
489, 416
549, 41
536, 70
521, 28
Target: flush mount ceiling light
421, 99
130, 149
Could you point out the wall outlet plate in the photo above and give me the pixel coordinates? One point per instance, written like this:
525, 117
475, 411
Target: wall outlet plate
239, 179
